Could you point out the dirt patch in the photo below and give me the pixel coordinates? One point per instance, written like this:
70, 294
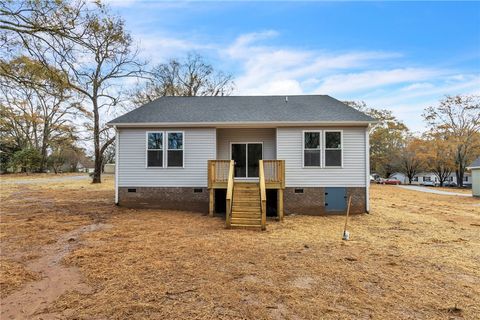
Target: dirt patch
56, 279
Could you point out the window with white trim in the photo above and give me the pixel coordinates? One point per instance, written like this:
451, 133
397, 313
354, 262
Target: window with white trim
311, 149
155, 149
175, 149
333, 148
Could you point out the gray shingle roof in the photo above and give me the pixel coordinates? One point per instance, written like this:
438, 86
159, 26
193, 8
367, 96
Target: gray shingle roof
475, 163
304, 108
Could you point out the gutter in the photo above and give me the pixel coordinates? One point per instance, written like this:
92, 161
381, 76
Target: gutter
271, 124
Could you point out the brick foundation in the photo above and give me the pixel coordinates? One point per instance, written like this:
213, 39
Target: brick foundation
168, 198
312, 201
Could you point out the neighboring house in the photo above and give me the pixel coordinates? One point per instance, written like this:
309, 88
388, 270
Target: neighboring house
400, 177
177, 152
475, 168
109, 168
431, 179
86, 165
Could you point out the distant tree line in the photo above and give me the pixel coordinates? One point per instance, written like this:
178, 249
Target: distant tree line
450, 143
64, 67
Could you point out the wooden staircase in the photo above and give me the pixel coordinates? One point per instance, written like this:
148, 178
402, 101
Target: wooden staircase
246, 205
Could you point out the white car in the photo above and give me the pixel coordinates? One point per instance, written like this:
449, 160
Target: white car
430, 184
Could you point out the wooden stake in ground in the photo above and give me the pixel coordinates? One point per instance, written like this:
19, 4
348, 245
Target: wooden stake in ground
346, 234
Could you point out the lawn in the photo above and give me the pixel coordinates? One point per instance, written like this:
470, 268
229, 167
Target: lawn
68, 252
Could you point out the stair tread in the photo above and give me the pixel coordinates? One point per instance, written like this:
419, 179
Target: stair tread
246, 213
246, 225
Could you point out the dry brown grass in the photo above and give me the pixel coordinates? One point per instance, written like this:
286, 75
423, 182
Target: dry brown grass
21, 176
417, 255
13, 276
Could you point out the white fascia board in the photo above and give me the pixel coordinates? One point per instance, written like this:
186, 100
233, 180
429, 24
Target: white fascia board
258, 124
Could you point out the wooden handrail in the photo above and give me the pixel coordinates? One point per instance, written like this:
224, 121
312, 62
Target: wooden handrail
263, 193
229, 193
218, 171
275, 172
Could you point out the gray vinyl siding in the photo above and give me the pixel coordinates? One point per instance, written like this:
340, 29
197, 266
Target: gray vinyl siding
352, 174
265, 135
199, 146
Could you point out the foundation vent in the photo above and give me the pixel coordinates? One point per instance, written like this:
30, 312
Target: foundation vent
298, 190
132, 190
197, 190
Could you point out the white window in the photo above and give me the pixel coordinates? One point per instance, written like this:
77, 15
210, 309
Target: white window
311, 149
415, 179
465, 178
174, 149
427, 179
333, 148
154, 149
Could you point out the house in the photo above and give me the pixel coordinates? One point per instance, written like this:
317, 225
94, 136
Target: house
400, 177
244, 155
109, 168
431, 179
86, 165
475, 168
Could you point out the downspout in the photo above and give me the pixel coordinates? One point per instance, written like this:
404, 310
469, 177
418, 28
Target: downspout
117, 148
367, 167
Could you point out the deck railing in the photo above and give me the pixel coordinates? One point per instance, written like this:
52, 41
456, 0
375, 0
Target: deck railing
218, 171
274, 173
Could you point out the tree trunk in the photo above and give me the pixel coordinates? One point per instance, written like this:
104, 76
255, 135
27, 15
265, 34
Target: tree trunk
97, 173
459, 178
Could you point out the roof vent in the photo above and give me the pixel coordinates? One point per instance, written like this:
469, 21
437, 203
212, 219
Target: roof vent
286, 99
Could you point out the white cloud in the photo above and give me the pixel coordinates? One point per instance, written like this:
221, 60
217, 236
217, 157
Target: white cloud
158, 47
382, 79
355, 82
267, 66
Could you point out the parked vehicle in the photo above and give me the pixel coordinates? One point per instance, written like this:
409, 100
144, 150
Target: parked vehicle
392, 181
430, 184
379, 180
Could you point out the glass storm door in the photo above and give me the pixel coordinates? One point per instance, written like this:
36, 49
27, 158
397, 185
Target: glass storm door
246, 157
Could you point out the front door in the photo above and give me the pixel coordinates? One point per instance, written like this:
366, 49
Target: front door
246, 157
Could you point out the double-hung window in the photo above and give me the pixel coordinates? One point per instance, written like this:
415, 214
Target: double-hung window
333, 148
154, 149
175, 149
311, 149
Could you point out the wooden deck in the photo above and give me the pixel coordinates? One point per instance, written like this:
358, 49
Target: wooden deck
246, 202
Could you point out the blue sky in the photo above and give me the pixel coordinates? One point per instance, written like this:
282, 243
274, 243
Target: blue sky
400, 56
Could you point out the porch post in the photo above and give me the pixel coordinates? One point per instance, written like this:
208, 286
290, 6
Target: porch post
280, 204
211, 202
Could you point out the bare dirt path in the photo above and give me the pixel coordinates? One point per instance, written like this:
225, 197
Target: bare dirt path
57, 279
428, 190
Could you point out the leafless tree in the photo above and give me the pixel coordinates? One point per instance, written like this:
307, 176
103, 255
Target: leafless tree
87, 44
192, 76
